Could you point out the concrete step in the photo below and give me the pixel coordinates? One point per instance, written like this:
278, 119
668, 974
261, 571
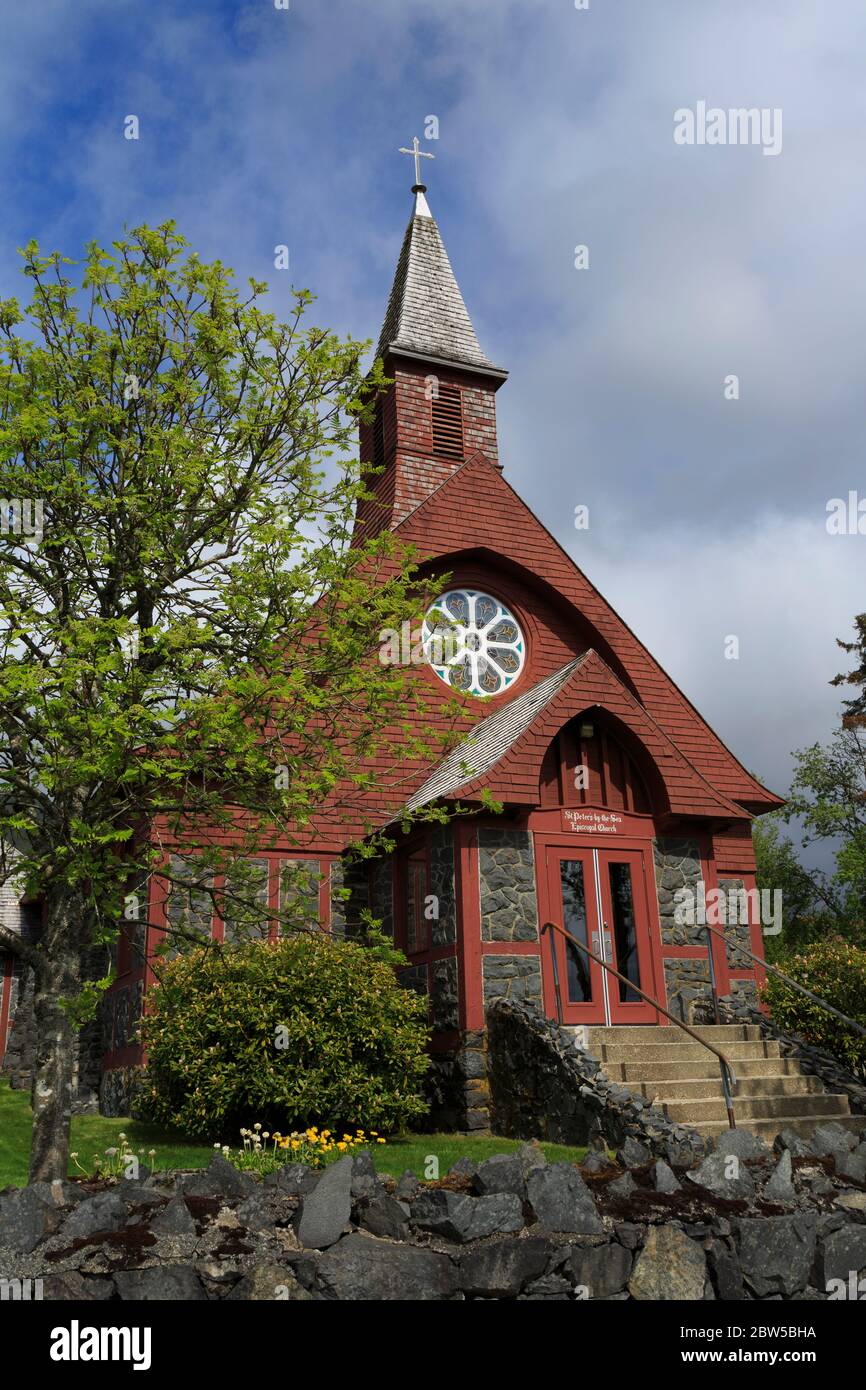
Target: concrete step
626, 1072
748, 1108
804, 1125
681, 1052
717, 1033
708, 1088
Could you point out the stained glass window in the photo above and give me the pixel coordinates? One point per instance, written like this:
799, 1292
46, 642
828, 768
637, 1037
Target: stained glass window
473, 642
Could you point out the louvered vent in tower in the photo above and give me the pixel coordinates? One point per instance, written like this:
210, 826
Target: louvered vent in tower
448, 422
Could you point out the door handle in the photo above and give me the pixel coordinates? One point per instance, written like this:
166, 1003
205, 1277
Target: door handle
608, 944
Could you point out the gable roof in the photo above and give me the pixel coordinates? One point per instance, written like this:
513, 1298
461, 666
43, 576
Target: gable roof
491, 739
426, 316
458, 512
504, 752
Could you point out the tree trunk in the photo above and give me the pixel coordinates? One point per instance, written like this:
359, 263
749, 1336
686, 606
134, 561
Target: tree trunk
57, 978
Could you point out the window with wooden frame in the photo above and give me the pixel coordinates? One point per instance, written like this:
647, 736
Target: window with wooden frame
447, 407
417, 925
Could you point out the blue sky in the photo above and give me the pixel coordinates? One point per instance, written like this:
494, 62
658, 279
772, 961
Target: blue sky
261, 126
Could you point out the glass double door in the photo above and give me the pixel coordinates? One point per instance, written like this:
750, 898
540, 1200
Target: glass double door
599, 897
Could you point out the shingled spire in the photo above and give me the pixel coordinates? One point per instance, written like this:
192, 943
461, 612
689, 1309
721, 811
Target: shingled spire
426, 316
440, 410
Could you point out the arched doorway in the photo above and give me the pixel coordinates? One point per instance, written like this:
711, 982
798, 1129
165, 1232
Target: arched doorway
593, 851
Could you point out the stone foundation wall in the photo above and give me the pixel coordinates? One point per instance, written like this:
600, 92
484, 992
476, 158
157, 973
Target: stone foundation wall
506, 867
458, 1088
677, 866
784, 1226
516, 978
542, 1085
687, 984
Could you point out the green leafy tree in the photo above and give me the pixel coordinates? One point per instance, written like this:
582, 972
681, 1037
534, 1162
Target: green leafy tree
828, 795
809, 904
188, 640
828, 801
855, 709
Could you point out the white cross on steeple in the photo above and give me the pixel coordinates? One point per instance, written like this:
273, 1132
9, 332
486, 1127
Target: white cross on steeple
419, 154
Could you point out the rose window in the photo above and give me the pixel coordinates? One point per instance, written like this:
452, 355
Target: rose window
473, 642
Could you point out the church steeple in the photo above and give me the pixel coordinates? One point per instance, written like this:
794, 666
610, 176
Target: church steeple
426, 316
440, 410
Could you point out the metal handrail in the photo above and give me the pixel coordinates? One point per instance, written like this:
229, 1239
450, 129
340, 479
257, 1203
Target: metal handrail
729, 1079
774, 970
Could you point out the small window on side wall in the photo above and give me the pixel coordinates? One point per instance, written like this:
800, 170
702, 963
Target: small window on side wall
417, 925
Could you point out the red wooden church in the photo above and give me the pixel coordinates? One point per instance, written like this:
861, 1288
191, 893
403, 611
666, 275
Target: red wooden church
615, 792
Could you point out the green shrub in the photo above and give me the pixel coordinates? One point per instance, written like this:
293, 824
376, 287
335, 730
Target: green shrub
835, 970
305, 1030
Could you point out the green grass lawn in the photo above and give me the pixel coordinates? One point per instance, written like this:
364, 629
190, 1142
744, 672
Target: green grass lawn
92, 1134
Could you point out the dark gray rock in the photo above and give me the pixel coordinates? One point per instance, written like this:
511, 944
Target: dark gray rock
174, 1219
550, 1288
741, 1143
293, 1179
632, 1153
106, 1211
501, 1173
776, 1252
622, 1186
629, 1235
70, 1286
464, 1168
853, 1165
725, 1272
562, 1201
443, 1213
407, 1187
818, 1184
780, 1188
363, 1268
663, 1178
669, 1267
681, 1153
716, 1176
531, 1156
326, 1210
502, 1268
363, 1165
600, 1270
253, 1214
831, 1139
462, 1218
26, 1218
269, 1283
595, 1162
789, 1139
383, 1216
141, 1195
839, 1254
219, 1179
160, 1284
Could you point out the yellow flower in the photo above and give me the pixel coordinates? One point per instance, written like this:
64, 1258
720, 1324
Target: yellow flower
341, 1146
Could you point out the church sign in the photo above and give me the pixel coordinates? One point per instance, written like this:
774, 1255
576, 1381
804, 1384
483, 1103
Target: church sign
589, 822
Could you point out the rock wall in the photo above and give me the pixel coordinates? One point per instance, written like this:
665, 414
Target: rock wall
506, 866
542, 1085
771, 1225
